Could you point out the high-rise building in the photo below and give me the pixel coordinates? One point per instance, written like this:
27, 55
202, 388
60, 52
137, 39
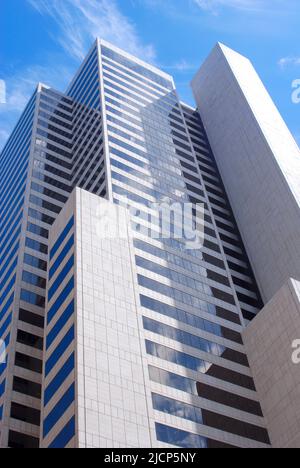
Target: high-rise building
117, 335
259, 162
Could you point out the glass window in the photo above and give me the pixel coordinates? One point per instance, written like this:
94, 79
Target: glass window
59, 409
60, 300
66, 315
59, 379
199, 365
61, 277
177, 408
64, 436
179, 438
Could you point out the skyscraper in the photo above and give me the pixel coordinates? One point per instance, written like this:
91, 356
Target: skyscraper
131, 340
259, 162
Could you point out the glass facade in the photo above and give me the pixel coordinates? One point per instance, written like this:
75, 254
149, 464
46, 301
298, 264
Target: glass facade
120, 132
14, 167
59, 367
194, 301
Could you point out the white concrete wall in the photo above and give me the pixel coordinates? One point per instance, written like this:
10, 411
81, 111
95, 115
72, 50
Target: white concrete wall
259, 162
268, 340
113, 410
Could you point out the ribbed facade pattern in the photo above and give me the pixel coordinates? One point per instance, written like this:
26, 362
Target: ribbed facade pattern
193, 311
121, 132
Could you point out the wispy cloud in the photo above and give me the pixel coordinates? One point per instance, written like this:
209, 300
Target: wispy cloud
76, 24
243, 5
21, 86
290, 60
182, 66
81, 21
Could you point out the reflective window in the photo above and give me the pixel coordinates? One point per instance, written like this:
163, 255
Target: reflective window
60, 300
198, 365
61, 322
59, 409
59, 379
187, 299
173, 436
180, 278
202, 390
177, 408
190, 319
64, 436
62, 237
194, 341
139, 69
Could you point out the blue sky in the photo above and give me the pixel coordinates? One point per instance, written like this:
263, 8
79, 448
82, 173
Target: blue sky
45, 40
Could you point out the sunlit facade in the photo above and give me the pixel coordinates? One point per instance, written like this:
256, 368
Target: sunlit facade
121, 134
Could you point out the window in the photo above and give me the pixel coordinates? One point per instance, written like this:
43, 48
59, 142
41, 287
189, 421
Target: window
187, 299
61, 277
194, 341
27, 387
35, 245
60, 300
183, 439
32, 298
172, 436
59, 409
31, 318
26, 414
191, 319
28, 339
28, 362
64, 436
202, 390
177, 408
59, 379
35, 262
199, 365
33, 279
66, 315
22, 441
60, 350
39, 231
62, 237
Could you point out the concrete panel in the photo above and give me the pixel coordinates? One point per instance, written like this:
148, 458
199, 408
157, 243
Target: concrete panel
268, 340
259, 162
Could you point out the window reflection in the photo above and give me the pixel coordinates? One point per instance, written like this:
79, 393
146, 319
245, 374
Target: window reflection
199, 365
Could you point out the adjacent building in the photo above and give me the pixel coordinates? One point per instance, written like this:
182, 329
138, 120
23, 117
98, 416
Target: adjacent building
118, 336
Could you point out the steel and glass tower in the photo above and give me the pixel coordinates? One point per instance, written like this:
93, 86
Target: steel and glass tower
142, 347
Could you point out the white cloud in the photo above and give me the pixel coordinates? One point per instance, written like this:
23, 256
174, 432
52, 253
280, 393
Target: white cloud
290, 60
78, 22
181, 66
243, 5
19, 89
81, 21
4, 134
